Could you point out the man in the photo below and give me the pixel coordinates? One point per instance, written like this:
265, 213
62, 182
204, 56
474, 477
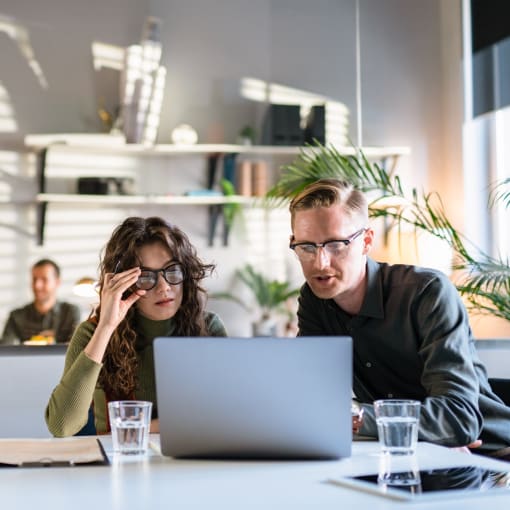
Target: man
45, 316
410, 330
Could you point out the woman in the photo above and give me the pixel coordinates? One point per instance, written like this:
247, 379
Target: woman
149, 286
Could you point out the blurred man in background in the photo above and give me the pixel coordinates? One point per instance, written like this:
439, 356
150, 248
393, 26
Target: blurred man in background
45, 319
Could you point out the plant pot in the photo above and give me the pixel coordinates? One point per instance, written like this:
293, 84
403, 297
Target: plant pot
265, 327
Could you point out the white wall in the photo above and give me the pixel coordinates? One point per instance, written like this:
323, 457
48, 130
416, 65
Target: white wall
410, 51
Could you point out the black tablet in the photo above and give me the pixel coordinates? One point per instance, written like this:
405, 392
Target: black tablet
432, 483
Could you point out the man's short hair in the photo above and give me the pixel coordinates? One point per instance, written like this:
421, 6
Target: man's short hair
47, 262
328, 192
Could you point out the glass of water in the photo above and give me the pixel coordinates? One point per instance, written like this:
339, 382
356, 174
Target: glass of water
130, 423
397, 425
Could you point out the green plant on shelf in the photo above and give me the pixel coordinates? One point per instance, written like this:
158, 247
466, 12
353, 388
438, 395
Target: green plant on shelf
247, 135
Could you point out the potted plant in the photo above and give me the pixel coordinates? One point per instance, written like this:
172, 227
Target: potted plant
246, 136
484, 281
270, 296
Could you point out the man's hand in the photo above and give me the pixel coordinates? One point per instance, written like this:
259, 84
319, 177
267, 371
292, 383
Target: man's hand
357, 421
469, 447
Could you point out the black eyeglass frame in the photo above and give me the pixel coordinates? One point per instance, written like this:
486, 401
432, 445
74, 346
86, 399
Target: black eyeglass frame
346, 241
163, 271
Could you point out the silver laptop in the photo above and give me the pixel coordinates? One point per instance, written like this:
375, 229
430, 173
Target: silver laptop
271, 398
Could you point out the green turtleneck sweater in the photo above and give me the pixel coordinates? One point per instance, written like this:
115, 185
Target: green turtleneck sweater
68, 407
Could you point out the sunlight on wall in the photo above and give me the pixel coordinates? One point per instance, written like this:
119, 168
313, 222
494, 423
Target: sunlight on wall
20, 35
501, 212
8, 122
107, 55
336, 113
419, 248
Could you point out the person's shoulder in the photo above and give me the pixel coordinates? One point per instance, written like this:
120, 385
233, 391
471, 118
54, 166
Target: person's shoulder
418, 282
21, 310
215, 325
66, 306
410, 272
81, 337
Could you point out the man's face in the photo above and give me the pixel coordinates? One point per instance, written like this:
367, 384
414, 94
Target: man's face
330, 276
45, 284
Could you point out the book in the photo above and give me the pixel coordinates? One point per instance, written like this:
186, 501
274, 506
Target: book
69, 451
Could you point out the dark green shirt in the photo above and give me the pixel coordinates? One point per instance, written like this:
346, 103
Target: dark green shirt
412, 339
26, 322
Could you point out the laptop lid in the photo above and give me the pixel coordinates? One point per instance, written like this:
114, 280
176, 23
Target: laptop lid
279, 398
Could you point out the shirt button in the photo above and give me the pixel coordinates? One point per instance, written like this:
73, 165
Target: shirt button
390, 395
368, 364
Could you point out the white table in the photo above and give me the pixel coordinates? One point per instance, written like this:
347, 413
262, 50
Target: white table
157, 482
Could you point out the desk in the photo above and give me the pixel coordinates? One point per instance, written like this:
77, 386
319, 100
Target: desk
156, 482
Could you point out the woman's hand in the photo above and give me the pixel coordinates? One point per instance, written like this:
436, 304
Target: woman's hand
113, 307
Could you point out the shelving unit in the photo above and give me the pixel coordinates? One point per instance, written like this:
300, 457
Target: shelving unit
67, 144
64, 198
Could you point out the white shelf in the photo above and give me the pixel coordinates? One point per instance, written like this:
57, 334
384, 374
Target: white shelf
64, 198
104, 144
39, 142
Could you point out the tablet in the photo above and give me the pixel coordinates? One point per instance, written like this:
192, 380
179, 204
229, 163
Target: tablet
429, 484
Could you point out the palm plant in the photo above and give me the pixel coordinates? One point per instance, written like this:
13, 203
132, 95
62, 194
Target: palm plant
485, 280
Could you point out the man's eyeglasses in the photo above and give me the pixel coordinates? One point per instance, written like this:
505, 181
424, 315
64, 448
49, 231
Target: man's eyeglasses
173, 275
335, 248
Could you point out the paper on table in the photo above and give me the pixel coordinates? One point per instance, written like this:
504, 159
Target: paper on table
51, 452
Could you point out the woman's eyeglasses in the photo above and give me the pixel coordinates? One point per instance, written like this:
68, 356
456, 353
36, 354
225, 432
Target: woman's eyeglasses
173, 275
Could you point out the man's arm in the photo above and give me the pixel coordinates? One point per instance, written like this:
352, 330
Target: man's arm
449, 414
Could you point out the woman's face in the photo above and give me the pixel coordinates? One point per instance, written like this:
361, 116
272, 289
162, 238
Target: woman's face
163, 301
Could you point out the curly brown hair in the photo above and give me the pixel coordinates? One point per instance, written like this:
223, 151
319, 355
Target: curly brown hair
118, 377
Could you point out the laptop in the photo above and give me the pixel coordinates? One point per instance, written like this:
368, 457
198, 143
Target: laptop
254, 398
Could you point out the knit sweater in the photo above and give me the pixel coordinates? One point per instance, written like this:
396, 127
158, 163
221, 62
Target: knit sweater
69, 403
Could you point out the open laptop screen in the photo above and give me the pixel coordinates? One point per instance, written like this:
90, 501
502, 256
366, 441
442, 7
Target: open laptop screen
254, 397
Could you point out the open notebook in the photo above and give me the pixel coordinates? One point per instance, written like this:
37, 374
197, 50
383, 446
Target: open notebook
72, 451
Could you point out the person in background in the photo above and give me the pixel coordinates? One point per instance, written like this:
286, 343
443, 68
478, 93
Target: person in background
410, 329
150, 286
45, 317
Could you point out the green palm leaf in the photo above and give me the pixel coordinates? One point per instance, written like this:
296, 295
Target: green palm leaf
501, 193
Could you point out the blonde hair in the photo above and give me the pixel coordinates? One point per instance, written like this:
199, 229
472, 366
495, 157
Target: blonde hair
328, 192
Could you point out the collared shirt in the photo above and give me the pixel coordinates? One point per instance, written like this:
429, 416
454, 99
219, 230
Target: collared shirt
412, 339
25, 322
